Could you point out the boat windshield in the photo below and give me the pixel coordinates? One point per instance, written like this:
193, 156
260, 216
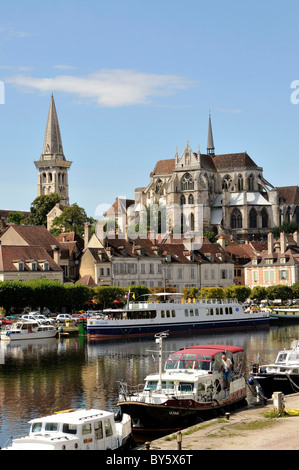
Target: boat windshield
281, 358
189, 361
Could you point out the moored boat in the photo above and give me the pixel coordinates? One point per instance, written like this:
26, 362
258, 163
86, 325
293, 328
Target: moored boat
85, 429
281, 376
189, 390
27, 330
170, 312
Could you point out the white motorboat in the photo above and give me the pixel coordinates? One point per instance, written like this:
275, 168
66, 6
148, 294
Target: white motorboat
83, 429
27, 330
189, 390
282, 376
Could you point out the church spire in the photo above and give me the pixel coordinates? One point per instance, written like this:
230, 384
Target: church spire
53, 166
52, 141
210, 145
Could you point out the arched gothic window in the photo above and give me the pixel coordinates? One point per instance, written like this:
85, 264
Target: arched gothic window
226, 182
158, 185
250, 183
190, 199
252, 218
192, 221
236, 219
240, 183
265, 218
182, 200
187, 182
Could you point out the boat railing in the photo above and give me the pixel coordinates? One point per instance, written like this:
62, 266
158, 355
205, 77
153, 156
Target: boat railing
146, 304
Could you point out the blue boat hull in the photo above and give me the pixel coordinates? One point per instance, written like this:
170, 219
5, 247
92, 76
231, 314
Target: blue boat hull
117, 331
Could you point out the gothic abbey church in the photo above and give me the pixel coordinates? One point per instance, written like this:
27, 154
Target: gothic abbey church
236, 199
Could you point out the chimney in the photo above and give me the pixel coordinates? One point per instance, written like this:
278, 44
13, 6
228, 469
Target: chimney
56, 255
282, 242
87, 234
221, 241
270, 243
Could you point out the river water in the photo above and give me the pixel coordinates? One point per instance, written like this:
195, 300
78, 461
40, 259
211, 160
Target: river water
44, 376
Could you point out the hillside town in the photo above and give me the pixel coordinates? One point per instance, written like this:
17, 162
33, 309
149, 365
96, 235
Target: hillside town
248, 227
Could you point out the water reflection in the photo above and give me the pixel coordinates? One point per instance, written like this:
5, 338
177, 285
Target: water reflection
49, 375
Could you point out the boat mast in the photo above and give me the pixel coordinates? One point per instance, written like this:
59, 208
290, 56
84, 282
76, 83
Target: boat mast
159, 340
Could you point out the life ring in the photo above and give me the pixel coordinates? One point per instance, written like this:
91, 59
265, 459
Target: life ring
90, 322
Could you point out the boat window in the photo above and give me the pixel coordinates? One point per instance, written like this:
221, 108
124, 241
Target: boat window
191, 313
168, 313
173, 313
293, 357
281, 357
51, 427
36, 427
69, 428
186, 387
162, 314
230, 310
86, 428
151, 385
98, 429
173, 361
209, 311
196, 312
108, 428
167, 385
186, 313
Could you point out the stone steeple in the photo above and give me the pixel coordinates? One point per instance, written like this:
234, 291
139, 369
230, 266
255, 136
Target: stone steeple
52, 165
52, 141
210, 144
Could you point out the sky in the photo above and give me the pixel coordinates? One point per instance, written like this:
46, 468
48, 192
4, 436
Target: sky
133, 81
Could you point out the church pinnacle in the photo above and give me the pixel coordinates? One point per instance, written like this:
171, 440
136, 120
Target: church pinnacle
210, 144
52, 165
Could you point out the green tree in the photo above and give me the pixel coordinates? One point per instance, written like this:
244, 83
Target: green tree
287, 227
17, 218
72, 219
259, 293
241, 293
40, 208
190, 292
105, 295
212, 292
279, 292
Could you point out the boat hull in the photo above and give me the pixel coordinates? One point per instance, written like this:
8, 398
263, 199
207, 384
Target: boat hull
109, 330
270, 383
172, 416
29, 336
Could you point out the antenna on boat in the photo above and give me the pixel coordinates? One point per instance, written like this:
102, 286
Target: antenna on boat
159, 339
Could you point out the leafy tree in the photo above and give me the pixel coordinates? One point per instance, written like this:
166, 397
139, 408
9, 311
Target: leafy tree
287, 227
211, 236
72, 219
279, 292
190, 292
40, 207
241, 293
105, 295
212, 292
17, 218
259, 293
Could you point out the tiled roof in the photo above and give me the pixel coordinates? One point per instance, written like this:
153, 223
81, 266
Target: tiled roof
231, 161
289, 194
86, 281
10, 254
164, 167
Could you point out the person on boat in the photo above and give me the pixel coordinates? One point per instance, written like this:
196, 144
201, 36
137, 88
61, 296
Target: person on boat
226, 368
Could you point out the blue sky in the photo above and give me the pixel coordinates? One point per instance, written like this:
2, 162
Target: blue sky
133, 80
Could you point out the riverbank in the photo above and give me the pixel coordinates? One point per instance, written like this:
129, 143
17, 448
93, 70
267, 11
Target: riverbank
247, 429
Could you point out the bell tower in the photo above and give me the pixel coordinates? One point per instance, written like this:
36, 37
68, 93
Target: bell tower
52, 165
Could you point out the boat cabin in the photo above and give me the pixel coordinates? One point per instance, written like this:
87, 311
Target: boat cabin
207, 358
